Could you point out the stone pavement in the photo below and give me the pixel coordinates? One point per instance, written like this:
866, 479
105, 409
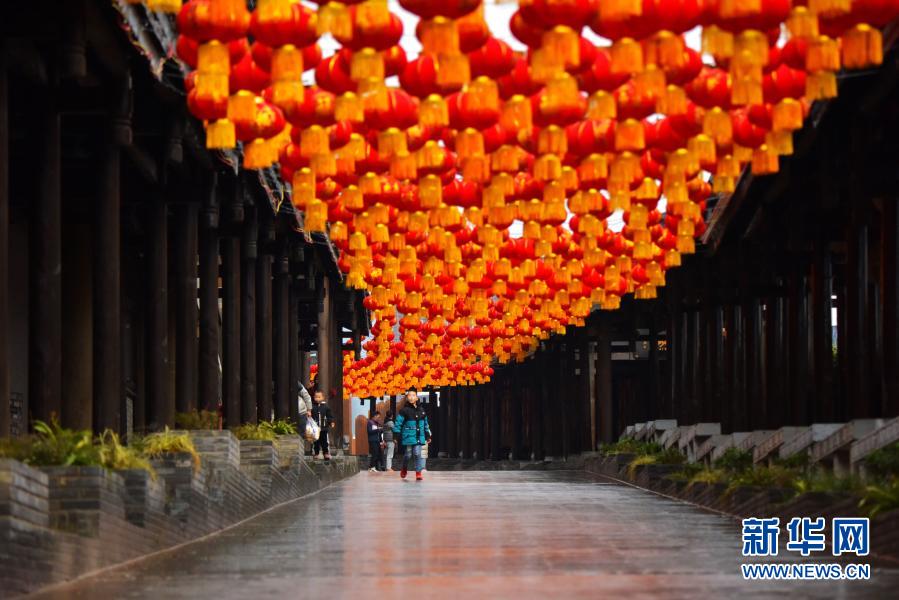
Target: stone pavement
486, 534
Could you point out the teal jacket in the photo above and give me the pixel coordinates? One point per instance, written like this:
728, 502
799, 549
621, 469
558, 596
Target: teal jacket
412, 426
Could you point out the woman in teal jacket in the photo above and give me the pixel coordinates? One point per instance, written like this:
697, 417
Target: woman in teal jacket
413, 430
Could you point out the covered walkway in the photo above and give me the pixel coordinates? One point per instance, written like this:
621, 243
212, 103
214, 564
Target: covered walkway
491, 534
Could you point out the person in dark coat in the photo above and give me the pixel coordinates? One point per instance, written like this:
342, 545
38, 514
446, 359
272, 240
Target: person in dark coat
321, 414
375, 439
414, 432
388, 442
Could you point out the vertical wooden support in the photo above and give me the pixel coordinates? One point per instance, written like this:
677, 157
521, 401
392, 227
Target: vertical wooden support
45, 322
231, 331
293, 350
753, 359
160, 403
187, 316
248, 256
697, 398
776, 373
604, 387
5, 415
107, 268
799, 347
264, 337
209, 301
325, 343
890, 262
856, 322
738, 369
281, 334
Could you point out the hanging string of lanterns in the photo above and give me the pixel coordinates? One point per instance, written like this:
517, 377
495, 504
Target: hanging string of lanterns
421, 186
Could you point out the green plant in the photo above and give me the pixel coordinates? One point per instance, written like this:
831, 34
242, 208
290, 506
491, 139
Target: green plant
157, 445
734, 460
249, 431
197, 419
773, 476
646, 459
800, 460
280, 427
669, 456
884, 463
880, 498
53, 445
686, 472
825, 481
115, 455
708, 476
630, 446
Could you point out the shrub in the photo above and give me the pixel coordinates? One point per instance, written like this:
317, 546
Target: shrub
53, 445
880, 498
115, 455
280, 427
630, 446
202, 419
646, 459
708, 476
248, 431
158, 445
670, 456
686, 472
884, 463
825, 481
734, 460
773, 476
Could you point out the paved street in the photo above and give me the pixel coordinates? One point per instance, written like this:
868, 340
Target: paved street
486, 534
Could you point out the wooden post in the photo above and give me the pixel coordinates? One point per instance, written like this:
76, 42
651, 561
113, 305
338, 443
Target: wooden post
264, 336
187, 316
325, 343
5, 415
45, 368
231, 331
856, 322
737, 341
753, 359
604, 387
249, 255
293, 351
776, 373
281, 335
209, 302
890, 262
160, 403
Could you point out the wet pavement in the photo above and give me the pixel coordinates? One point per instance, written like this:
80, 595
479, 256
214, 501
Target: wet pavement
485, 534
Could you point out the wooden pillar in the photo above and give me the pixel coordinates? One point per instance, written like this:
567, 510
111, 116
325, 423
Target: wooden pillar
537, 408
5, 416
753, 359
737, 339
187, 315
45, 322
890, 262
264, 336
231, 331
293, 351
799, 347
695, 368
208, 398
465, 420
107, 267
325, 343
604, 388
776, 372
856, 322
249, 255
281, 335
160, 403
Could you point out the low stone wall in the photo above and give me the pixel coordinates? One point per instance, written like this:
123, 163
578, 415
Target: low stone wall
60, 522
747, 502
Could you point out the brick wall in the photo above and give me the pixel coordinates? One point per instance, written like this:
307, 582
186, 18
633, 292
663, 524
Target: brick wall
59, 522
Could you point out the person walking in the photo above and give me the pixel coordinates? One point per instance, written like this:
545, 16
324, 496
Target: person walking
321, 414
375, 439
414, 432
388, 442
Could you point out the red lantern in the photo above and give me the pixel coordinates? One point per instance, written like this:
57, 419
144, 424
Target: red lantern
494, 59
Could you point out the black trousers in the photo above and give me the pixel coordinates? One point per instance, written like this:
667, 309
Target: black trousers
375, 454
321, 444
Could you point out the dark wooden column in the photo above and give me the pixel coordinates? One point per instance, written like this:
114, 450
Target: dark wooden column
324, 346
186, 317
45, 322
737, 339
264, 336
776, 371
890, 263
107, 267
465, 421
281, 334
799, 345
5, 415
604, 411
209, 302
856, 322
754, 377
231, 331
293, 350
249, 255
695, 368
496, 415
160, 403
